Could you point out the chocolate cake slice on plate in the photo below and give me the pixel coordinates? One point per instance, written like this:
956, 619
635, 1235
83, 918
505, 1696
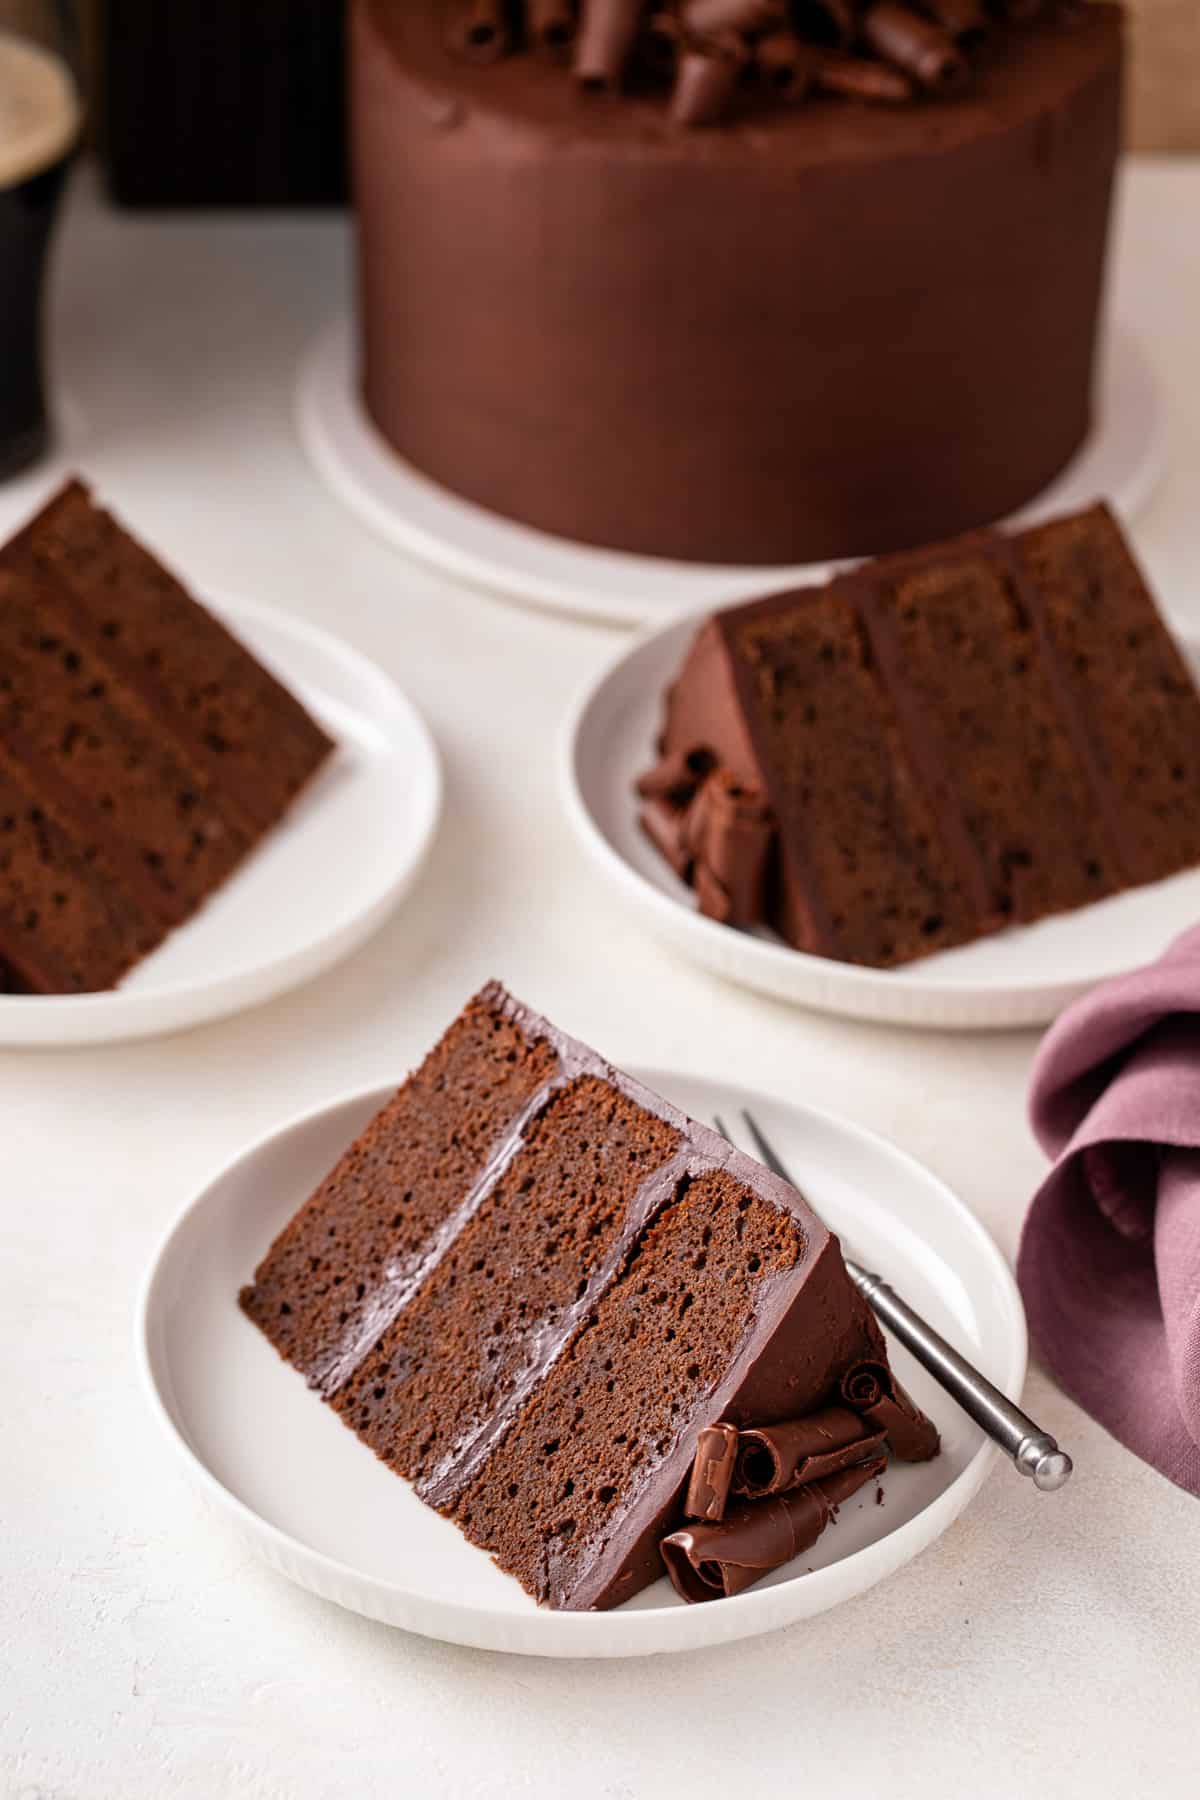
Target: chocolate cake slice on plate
144, 752
254, 735
530, 1283
932, 746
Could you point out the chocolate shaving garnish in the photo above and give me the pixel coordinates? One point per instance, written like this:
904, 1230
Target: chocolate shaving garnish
965, 20
714, 899
666, 827
658, 43
875, 50
676, 777
712, 1472
916, 45
830, 23
730, 831
713, 18
705, 79
605, 37
550, 27
480, 31
858, 79
771, 1459
871, 1389
787, 65
711, 1561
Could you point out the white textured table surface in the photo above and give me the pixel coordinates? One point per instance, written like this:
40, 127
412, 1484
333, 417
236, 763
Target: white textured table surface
1046, 1646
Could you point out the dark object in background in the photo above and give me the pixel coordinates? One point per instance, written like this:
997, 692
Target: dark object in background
39, 123
220, 103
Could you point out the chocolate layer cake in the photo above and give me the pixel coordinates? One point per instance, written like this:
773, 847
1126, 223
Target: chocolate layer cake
855, 313
933, 746
143, 751
530, 1283
255, 738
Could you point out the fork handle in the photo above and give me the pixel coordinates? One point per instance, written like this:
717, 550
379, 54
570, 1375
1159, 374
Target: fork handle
1033, 1450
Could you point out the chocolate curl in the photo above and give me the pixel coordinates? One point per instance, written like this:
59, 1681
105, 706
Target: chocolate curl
830, 23
965, 20
604, 39
676, 777
658, 42
774, 1458
708, 1562
666, 827
712, 1472
871, 1389
915, 45
480, 31
730, 829
713, 897
788, 66
669, 790
856, 78
713, 18
550, 27
705, 79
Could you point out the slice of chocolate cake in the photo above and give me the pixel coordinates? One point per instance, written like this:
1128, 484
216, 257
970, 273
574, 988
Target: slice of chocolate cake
143, 751
101, 736
530, 1282
932, 746
257, 740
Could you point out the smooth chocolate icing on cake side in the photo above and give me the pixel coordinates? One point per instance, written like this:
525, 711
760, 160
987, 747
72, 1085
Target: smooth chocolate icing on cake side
814, 331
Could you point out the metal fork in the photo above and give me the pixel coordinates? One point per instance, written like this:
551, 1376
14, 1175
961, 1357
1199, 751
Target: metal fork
1034, 1452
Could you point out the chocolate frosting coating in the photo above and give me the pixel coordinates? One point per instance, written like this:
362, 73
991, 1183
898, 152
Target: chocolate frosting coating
822, 330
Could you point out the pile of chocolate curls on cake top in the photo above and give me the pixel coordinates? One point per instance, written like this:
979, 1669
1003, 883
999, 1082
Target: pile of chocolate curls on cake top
705, 52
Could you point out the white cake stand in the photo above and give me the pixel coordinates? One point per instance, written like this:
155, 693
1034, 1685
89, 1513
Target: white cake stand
1121, 462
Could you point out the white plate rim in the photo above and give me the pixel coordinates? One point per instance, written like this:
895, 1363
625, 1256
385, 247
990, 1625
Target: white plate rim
888, 996
1123, 456
115, 1015
568, 1633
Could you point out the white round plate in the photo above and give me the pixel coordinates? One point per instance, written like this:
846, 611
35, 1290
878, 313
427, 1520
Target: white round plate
315, 887
1122, 460
306, 1495
1020, 977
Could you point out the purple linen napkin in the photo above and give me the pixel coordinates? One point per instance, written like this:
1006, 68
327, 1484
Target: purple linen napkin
1109, 1262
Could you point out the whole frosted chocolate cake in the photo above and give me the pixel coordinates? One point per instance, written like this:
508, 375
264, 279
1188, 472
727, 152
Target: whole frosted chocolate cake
734, 280
531, 1285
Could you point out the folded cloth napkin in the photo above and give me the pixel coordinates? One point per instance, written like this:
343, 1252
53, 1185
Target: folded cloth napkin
1109, 1262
